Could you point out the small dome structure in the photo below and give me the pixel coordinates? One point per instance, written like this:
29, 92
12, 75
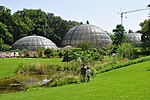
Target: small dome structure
134, 38
86, 32
34, 42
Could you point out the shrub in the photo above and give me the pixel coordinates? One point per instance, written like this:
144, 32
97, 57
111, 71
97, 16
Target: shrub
26, 52
40, 52
109, 67
64, 81
126, 50
86, 56
85, 45
70, 55
96, 56
60, 53
50, 52
32, 69
3, 47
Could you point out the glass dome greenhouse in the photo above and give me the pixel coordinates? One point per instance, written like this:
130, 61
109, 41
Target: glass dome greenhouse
134, 38
34, 42
86, 32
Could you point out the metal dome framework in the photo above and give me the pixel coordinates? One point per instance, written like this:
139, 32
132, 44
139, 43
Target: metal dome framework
32, 43
134, 38
86, 32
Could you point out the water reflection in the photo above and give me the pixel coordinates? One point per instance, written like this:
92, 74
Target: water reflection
22, 82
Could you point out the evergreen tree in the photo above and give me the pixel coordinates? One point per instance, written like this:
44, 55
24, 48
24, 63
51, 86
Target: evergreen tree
120, 35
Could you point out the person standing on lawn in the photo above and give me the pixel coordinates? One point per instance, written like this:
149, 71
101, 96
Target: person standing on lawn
83, 72
88, 74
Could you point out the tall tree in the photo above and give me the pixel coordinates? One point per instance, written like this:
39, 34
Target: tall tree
120, 35
59, 27
5, 35
145, 34
5, 16
6, 25
30, 22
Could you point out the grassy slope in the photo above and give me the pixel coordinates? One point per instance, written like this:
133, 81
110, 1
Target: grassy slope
128, 83
8, 65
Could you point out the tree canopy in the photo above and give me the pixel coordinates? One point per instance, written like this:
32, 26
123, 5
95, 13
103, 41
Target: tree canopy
145, 29
120, 35
32, 21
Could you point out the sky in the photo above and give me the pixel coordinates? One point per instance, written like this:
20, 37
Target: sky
102, 13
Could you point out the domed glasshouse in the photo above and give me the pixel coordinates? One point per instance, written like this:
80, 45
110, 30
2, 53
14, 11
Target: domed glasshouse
34, 42
134, 38
86, 32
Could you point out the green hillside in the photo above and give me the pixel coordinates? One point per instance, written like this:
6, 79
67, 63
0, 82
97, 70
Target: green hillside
128, 83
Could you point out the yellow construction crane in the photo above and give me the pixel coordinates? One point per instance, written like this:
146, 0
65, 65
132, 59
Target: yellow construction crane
122, 13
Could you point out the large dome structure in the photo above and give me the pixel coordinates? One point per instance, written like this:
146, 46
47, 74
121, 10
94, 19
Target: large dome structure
34, 42
86, 32
134, 38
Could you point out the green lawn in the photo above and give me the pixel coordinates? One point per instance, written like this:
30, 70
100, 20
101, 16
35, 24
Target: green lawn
128, 83
8, 65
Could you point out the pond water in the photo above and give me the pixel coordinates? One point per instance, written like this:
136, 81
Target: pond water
10, 89
4, 91
20, 82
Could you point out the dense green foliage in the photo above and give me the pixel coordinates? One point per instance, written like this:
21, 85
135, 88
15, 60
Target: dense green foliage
126, 50
6, 38
112, 66
58, 72
3, 47
85, 56
32, 21
6, 25
125, 83
130, 83
120, 35
40, 52
146, 35
85, 45
50, 53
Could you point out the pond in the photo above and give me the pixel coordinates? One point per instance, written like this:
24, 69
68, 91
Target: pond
20, 83
10, 89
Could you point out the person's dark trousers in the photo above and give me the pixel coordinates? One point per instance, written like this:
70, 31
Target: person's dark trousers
88, 78
83, 78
